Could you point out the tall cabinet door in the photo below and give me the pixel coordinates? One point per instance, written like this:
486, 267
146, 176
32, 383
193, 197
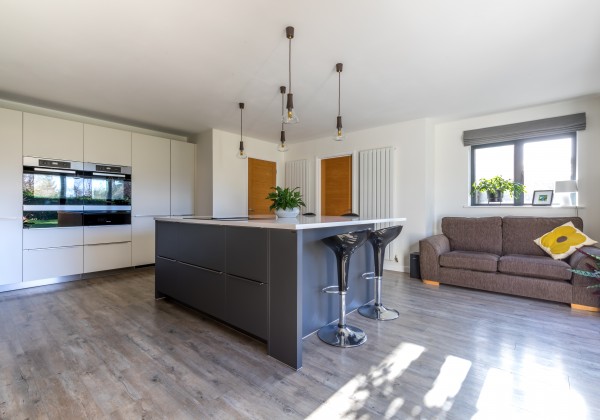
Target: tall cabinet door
151, 197
11, 210
106, 145
183, 164
50, 137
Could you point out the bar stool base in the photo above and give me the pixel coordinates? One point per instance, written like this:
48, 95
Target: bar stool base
378, 312
347, 336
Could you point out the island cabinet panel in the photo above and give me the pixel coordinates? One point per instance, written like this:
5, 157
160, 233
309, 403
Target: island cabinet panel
247, 305
247, 253
197, 287
195, 244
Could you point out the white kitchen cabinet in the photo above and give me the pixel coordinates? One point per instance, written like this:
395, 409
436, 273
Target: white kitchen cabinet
11, 193
106, 145
47, 263
100, 257
143, 240
183, 164
50, 137
106, 234
151, 192
52, 237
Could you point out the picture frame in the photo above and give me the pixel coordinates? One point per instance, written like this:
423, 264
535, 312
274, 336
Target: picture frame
542, 198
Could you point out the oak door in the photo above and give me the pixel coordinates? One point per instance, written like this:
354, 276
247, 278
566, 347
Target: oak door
336, 186
262, 176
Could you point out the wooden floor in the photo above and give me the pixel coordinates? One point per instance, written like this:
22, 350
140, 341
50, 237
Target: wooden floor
105, 348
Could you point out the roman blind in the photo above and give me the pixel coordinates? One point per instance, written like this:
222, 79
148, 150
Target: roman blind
525, 130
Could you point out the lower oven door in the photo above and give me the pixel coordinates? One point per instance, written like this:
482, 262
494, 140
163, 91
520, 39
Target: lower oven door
51, 218
106, 218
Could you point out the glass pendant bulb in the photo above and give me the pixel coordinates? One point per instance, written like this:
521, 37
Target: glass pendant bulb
340, 135
241, 153
290, 116
282, 147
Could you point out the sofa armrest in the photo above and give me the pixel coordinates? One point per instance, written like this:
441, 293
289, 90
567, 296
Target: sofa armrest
430, 250
580, 261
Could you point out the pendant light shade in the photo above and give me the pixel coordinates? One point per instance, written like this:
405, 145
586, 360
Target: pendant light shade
241, 152
290, 117
339, 134
282, 147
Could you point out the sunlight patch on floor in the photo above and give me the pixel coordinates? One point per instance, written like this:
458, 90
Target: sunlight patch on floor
452, 374
349, 399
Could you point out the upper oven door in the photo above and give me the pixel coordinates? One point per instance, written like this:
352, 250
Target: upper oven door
107, 187
58, 184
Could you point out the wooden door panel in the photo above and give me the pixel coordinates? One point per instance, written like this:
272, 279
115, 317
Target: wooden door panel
336, 186
262, 176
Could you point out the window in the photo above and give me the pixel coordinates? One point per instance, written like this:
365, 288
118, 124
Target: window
537, 163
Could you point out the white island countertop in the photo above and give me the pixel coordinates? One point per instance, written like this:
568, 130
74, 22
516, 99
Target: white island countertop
296, 223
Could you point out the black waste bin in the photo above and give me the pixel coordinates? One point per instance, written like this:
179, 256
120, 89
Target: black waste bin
415, 267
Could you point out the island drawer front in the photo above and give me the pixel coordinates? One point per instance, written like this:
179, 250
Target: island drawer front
197, 287
247, 305
247, 253
199, 245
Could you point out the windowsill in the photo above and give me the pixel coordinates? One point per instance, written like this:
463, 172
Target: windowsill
527, 206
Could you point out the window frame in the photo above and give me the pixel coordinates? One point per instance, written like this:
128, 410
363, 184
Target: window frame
519, 173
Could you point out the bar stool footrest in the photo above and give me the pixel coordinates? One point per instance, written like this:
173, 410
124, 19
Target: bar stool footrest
332, 289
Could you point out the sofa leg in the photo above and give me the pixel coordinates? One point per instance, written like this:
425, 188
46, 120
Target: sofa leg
584, 308
431, 282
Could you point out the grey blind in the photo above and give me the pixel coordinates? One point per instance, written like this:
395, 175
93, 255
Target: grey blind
525, 130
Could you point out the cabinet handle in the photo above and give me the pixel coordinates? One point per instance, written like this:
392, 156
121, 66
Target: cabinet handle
109, 243
168, 259
151, 215
258, 283
201, 268
9, 218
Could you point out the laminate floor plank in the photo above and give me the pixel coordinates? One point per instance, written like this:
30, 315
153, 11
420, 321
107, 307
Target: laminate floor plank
104, 348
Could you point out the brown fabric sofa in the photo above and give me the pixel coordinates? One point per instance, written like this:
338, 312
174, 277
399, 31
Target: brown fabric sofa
498, 254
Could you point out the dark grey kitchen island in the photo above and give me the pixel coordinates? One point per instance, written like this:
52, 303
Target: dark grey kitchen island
264, 276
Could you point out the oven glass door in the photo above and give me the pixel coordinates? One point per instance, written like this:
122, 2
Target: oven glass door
107, 190
37, 219
42, 186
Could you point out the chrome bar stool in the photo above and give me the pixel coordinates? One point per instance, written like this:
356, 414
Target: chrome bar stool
342, 335
379, 239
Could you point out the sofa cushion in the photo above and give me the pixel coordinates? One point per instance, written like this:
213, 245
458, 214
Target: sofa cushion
480, 234
468, 260
518, 233
562, 241
534, 266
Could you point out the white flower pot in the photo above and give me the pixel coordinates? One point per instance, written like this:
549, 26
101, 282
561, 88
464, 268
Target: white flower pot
287, 213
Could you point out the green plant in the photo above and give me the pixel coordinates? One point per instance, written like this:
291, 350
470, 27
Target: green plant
498, 184
284, 198
594, 271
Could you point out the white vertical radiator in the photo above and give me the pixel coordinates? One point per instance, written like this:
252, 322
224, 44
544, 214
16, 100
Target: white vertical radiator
297, 175
376, 188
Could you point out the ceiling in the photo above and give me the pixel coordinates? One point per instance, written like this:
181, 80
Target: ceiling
183, 65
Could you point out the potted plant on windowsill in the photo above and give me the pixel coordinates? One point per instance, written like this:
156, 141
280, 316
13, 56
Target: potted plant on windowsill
286, 202
496, 187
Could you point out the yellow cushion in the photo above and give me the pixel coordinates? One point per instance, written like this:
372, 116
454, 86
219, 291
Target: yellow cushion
561, 242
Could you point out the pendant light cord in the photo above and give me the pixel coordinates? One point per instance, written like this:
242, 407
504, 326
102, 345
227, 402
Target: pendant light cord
290, 64
339, 93
282, 114
241, 124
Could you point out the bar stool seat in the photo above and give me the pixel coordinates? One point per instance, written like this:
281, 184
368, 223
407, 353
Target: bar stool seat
380, 239
340, 334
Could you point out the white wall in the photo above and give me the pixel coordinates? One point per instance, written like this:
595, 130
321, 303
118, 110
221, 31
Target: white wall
204, 175
230, 174
451, 196
413, 167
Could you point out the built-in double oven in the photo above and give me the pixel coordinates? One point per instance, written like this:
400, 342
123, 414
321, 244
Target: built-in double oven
59, 193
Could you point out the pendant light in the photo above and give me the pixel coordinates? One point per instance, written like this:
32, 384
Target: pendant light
340, 136
241, 152
290, 117
282, 147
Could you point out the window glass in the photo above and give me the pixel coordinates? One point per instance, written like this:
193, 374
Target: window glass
537, 163
544, 163
492, 161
